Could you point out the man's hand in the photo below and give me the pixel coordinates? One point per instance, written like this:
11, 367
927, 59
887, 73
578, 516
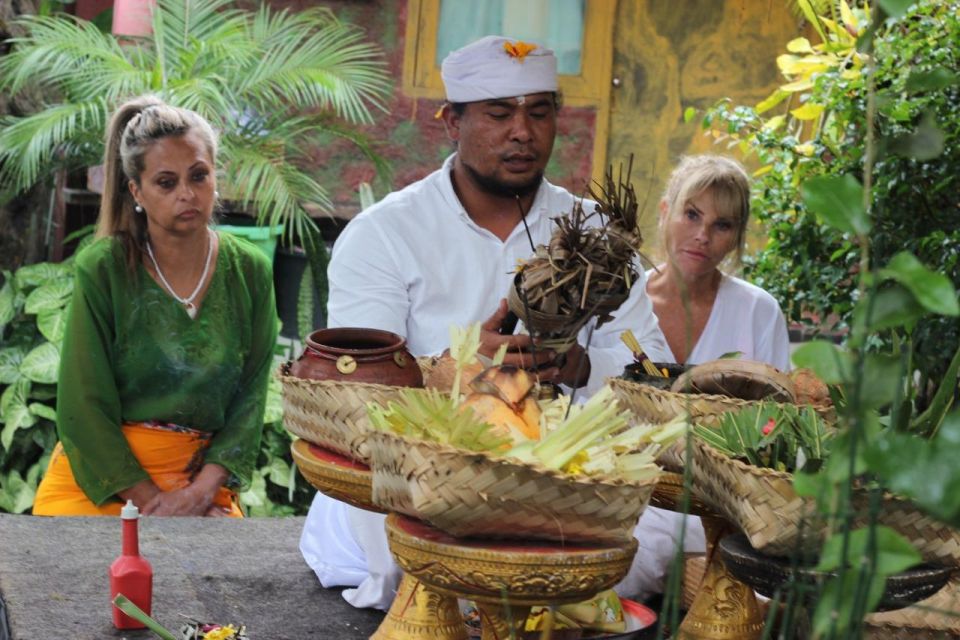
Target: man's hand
521, 349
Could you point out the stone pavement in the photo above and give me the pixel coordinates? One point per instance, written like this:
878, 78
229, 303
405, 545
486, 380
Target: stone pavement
53, 578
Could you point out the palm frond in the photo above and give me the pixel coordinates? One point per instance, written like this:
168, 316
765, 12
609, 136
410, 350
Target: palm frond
55, 50
313, 59
29, 144
258, 173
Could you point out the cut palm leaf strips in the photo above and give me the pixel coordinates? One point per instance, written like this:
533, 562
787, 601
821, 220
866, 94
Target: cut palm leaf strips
566, 487
586, 269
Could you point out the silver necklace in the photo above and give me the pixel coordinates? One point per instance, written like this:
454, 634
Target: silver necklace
187, 302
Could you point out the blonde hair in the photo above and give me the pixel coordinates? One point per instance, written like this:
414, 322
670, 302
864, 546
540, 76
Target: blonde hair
134, 128
726, 179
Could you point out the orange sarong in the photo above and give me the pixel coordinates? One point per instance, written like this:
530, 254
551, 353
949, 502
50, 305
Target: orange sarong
168, 456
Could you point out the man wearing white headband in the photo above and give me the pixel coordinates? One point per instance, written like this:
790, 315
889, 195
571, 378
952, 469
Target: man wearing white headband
442, 252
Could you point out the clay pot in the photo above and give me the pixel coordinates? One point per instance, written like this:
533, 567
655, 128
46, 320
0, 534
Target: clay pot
353, 354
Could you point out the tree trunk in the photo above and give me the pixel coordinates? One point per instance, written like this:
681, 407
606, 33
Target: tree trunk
23, 218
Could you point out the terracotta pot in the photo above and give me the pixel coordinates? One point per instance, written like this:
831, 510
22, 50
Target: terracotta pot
354, 354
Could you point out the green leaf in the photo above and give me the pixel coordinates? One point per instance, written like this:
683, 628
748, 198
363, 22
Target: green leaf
931, 80
895, 8
19, 494
838, 201
894, 553
43, 411
8, 308
14, 412
305, 304
53, 294
52, 324
831, 363
835, 606
10, 359
689, 114
42, 363
279, 472
883, 376
34, 275
810, 485
274, 408
891, 307
932, 290
926, 142
925, 471
927, 423
135, 612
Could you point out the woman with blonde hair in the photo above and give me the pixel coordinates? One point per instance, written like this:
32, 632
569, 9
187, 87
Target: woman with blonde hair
169, 338
703, 312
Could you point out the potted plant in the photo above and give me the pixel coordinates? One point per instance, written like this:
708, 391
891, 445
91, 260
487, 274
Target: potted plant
271, 82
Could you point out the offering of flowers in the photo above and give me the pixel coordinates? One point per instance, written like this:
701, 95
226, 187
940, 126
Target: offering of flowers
586, 270
772, 436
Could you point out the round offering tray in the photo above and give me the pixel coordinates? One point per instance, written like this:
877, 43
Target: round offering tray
504, 578
766, 573
335, 475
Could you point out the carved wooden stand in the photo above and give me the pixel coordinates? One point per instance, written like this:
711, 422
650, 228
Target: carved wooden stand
504, 578
724, 608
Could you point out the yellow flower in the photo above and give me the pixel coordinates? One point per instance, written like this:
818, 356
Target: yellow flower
805, 149
221, 633
518, 49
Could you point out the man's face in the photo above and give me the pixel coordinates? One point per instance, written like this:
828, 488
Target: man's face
504, 144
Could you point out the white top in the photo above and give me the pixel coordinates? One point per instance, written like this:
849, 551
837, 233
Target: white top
415, 264
744, 318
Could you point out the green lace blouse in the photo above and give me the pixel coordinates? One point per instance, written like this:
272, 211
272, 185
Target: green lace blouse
131, 354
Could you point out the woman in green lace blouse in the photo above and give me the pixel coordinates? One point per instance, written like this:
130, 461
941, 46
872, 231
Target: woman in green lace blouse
170, 335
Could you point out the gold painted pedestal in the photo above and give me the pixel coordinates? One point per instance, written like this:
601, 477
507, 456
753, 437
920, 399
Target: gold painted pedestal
416, 613
505, 578
724, 608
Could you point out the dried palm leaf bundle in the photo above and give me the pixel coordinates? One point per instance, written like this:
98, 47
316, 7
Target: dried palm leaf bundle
586, 270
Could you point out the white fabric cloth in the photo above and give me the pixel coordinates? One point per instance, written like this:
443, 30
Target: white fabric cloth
744, 318
415, 264
497, 67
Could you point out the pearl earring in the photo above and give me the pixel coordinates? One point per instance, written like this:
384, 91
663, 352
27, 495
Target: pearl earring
138, 209
216, 195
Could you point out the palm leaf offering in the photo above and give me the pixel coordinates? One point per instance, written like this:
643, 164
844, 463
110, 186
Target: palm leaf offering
770, 435
434, 416
588, 267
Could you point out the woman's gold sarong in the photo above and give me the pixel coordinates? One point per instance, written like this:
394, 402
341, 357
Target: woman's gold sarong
171, 457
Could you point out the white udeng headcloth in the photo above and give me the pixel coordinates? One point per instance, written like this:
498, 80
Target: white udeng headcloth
497, 67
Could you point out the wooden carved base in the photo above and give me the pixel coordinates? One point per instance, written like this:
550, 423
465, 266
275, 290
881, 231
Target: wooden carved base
724, 608
420, 614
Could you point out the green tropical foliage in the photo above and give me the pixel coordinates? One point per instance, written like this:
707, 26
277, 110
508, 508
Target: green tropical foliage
858, 184
813, 130
272, 82
33, 309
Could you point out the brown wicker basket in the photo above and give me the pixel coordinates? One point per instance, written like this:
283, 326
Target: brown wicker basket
935, 617
764, 505
657, 405
478, 495
651, 404
332, 413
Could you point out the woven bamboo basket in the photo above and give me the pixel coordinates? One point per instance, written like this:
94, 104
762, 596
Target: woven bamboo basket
658, 405
764, 505
650, 404
333, 413
935, 617
478, 495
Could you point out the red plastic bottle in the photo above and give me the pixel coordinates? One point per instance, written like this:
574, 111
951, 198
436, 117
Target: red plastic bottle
130, 574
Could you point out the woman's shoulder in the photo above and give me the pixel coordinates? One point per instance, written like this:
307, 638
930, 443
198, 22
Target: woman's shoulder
244, 257
103, 254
